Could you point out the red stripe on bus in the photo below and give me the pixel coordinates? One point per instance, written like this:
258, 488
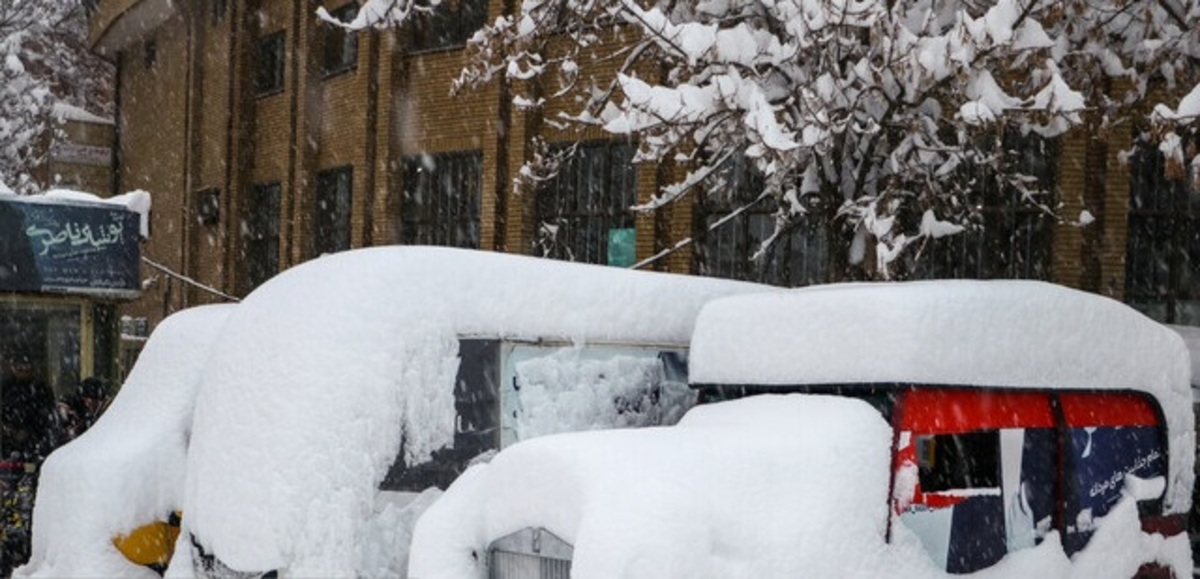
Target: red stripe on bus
1107, 409
950, 411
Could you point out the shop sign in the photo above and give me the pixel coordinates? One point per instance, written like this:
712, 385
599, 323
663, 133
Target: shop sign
77, 154
88, 249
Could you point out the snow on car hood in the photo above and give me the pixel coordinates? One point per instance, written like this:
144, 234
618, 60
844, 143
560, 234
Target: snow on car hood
722, 494
324, 368
989, 333
129, 468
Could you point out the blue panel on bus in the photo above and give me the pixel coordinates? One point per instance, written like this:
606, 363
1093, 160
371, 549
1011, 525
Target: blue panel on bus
1099, 459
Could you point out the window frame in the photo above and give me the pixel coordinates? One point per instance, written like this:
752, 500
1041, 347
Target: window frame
1013, 237
261, 239
150, 53
332, 227
485, 383
452, 28
271, 58
1162, 250
587, 199
799, 256
343, 58
207, 205
446, 211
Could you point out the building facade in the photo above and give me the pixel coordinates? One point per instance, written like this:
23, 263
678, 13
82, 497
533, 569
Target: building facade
269, 137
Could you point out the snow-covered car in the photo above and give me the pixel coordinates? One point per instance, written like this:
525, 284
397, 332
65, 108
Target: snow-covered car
916, 430
127, 471
344, 386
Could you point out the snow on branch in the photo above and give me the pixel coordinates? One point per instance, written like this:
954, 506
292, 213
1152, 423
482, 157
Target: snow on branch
888, 114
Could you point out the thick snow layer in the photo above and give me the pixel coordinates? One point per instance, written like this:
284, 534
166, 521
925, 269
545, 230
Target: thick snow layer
988, 333
323, 369
723, 494
128, 469
65, 112
135, 201
766, 486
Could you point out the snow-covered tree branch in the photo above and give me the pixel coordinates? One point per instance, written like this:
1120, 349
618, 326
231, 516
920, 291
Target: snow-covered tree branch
44, 59
882, 118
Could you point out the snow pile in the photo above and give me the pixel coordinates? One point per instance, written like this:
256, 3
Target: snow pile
766, 486
64, 112
136, 201
128, 469
733, 491
993, 333
323, 370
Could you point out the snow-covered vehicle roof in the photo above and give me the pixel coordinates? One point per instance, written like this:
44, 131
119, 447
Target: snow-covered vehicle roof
1007, 334
325, 368
129, 468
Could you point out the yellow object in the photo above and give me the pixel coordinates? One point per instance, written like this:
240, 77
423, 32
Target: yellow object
151, 545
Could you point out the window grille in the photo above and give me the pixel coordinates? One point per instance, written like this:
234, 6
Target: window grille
532, 553
441, 200
1010, 236
261, 234
448, 25
334, 191
268, 77
584, 212
339, 50
1162, 265
798, 257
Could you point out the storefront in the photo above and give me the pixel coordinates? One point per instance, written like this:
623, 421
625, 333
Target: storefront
65, 265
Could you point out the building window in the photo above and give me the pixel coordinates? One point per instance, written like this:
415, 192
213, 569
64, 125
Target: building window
1009, 237
441, 199
48, 337
334, 191
339, 51
1162, 264
269, 76
727, 243
262, 234
584, 212
149, 54
448, 25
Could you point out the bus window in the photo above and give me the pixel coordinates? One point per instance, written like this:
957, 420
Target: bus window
509, 391
1109, 437
551, 389
476, 427
950, 462
975, 473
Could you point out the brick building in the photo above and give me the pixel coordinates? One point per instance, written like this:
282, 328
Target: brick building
268, 138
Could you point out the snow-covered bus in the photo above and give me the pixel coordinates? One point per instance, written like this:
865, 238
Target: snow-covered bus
915, 430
